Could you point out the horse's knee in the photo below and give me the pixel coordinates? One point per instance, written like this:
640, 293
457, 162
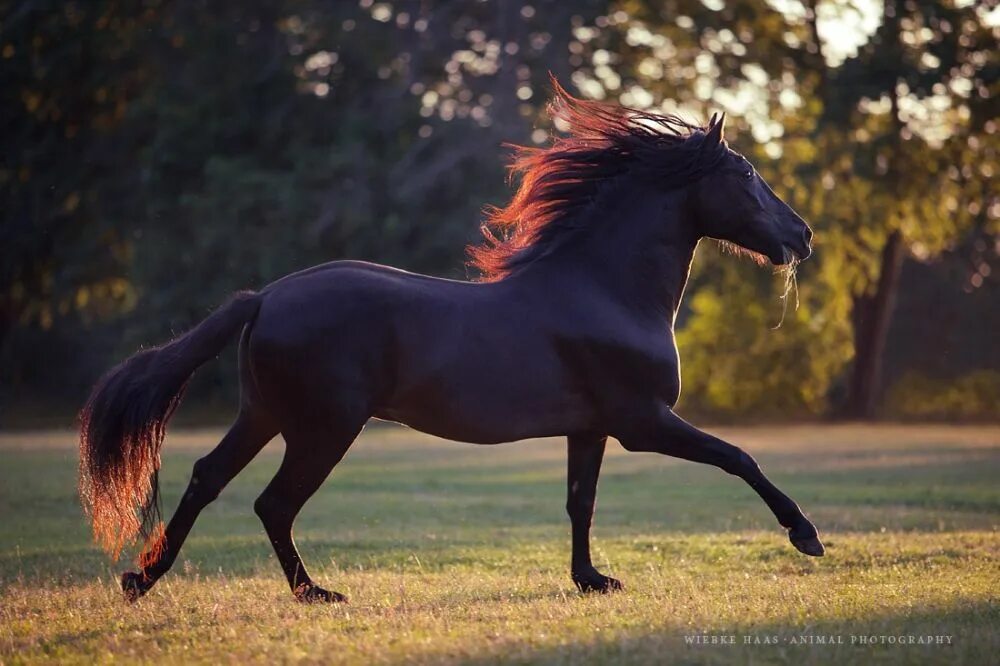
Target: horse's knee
739, 463
205, 484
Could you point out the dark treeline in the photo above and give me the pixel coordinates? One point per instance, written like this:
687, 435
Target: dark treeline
159, 155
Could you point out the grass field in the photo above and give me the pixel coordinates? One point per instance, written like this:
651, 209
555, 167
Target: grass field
451, 552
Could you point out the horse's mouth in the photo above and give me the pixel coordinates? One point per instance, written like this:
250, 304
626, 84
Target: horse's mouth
785, 256
790, 255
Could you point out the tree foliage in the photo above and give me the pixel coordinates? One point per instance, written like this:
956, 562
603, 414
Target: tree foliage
886, 145
158, 155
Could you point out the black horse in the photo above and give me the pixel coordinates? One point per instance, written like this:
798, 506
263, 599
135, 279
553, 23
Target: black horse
569, 332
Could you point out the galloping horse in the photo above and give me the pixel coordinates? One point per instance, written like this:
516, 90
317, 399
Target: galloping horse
569, 332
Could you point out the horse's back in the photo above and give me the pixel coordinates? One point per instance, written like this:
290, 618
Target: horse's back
339, 327
315, 299
447, 357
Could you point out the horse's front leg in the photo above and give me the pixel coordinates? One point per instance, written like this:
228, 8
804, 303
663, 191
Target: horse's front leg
673, 436
585, 455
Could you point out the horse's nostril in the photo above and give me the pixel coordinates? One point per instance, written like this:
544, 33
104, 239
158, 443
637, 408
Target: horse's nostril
807, 236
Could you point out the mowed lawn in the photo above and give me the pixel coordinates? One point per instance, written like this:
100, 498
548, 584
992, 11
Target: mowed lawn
458, 553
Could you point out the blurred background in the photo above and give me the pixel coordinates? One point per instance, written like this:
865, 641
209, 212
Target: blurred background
157, 156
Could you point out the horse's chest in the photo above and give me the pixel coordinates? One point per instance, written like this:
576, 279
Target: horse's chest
622, 371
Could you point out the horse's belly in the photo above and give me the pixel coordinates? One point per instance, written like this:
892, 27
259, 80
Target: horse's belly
511, 429
487, 414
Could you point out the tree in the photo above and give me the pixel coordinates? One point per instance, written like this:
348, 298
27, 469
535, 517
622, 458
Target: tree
874, 147
934, 65
68, 82
158, 156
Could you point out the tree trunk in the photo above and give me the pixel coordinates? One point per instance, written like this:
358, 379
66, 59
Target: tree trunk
872, 311
872, 314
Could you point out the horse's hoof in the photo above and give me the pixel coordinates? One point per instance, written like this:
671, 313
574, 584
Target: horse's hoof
312, 594
807, 542
596, 582
134, 585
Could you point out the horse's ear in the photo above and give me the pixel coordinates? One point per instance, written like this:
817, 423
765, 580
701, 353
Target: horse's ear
716, 127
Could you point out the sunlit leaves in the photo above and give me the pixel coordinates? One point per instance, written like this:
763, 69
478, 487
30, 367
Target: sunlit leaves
861, 135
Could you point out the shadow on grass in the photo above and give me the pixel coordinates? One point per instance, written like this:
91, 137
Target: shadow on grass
970, 626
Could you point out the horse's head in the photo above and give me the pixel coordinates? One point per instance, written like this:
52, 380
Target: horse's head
734, 204
660, 155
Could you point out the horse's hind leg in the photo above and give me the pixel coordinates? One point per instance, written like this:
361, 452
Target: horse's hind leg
312, 449
245, 439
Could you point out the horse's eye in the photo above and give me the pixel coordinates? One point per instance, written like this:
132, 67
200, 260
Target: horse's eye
748, 174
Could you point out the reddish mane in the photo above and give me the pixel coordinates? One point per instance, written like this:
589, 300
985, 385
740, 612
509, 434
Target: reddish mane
604, 141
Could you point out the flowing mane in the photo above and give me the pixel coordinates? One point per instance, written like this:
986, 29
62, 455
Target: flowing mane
604, 141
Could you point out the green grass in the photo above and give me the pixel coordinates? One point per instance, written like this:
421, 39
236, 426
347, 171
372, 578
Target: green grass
452, 552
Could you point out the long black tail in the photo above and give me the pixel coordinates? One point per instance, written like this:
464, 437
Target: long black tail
124, 421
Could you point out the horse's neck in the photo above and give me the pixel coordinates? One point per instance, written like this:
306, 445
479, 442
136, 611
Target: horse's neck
650, 257
667, 287
639, 253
